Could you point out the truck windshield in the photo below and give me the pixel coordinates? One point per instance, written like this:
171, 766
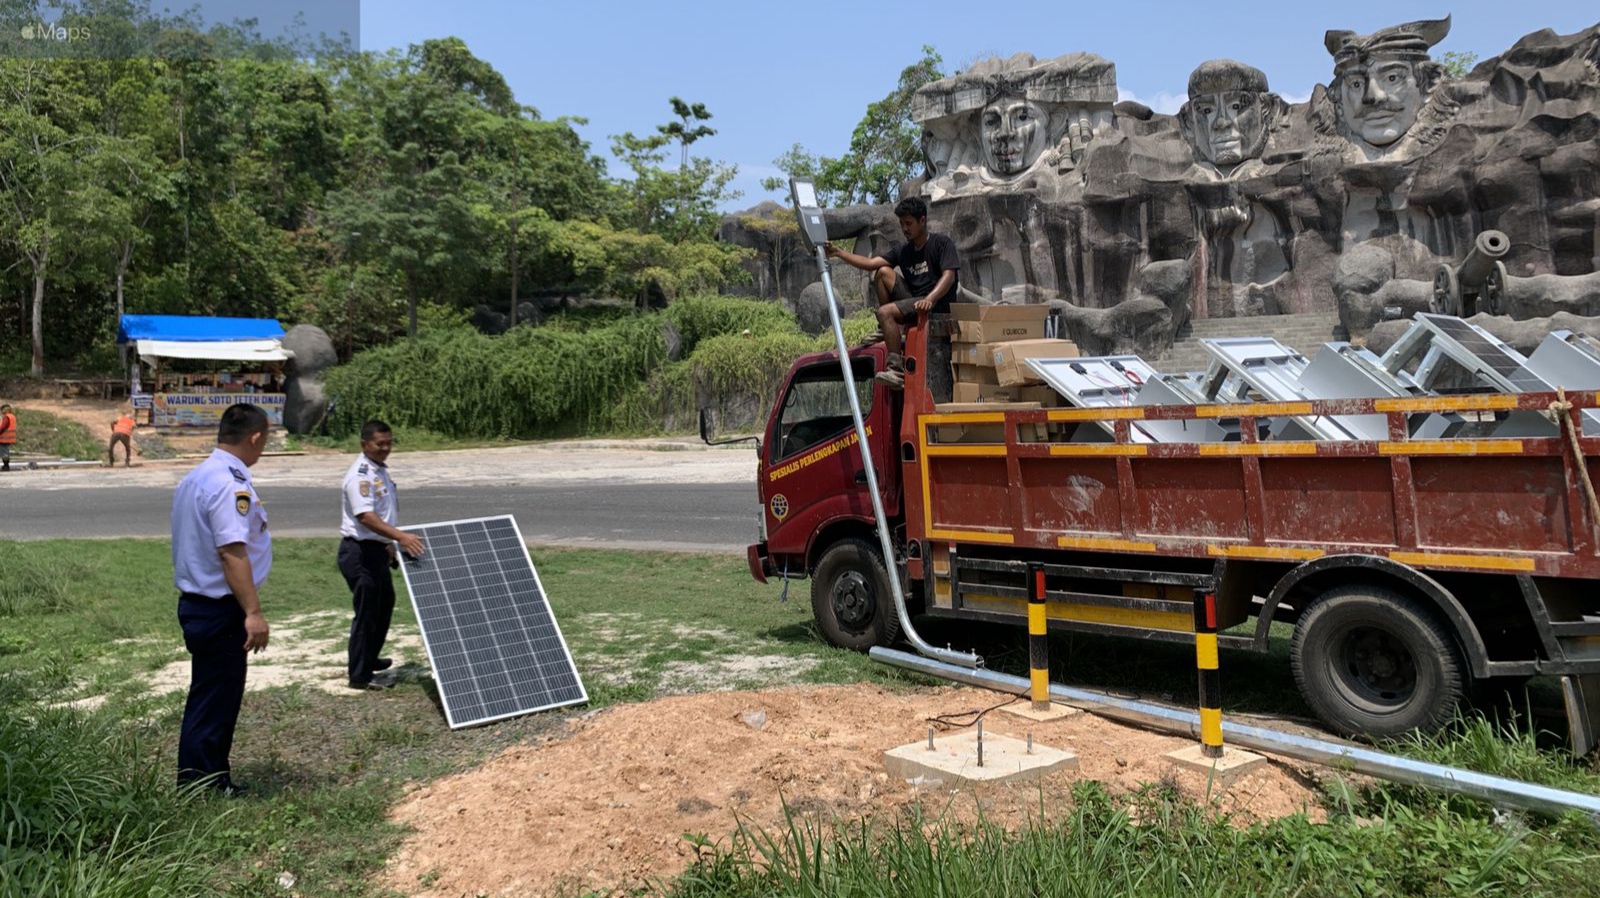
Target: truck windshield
816, 409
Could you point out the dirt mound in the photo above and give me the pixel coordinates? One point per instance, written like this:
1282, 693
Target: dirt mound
607, 804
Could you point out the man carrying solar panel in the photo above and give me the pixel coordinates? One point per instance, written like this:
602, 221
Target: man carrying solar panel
370, 528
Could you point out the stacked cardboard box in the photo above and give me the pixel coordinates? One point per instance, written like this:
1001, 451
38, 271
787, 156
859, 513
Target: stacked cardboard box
989, 353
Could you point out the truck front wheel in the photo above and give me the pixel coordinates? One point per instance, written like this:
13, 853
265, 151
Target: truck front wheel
850, 597
1374, 662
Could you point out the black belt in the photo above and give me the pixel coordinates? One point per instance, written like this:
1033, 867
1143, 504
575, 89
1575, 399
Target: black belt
199, 597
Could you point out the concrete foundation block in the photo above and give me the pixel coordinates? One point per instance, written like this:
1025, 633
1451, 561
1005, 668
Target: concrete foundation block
1234, 763
954, 760
1057, 711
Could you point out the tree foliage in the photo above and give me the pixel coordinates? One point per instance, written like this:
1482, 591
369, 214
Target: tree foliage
885, 148
169, 166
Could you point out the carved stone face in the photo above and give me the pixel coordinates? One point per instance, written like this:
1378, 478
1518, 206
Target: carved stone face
1229, 127
1014, 135
1380, 101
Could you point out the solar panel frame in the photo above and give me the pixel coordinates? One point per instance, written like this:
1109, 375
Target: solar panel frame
441, 673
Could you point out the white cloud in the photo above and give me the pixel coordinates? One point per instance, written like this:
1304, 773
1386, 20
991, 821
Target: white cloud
1162, 102
1296, 99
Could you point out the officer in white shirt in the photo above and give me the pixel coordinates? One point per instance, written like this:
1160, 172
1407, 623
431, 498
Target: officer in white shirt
370, 528
221, 553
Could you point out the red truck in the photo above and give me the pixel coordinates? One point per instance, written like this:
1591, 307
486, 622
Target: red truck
1411, 570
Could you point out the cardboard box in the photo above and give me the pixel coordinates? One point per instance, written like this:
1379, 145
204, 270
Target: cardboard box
971, 354
974, 374
1010, 359
1043, 396
996, 324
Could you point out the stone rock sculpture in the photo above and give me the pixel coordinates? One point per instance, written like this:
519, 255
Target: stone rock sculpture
304, 400
1229, 115
1382, 81
1353, 201
1013, 124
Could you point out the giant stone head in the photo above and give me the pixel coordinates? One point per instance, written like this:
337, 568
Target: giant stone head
1014, 133
1382, 80
1229, 114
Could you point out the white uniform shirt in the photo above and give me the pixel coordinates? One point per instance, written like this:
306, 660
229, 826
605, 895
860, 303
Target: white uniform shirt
368, 487
216, 505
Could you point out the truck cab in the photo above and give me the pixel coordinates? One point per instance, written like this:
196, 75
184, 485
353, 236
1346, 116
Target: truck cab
815, 511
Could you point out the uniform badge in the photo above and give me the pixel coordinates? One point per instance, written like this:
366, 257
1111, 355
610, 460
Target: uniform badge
241, 503
237, 474
780, 506
366, 489
362, 470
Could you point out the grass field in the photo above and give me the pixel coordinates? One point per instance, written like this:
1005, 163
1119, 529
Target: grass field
43, 435
85, 807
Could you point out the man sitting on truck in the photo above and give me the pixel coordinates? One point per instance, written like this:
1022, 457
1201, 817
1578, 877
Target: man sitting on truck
928, 277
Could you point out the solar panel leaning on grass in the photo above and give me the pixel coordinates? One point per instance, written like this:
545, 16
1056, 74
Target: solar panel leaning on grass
491, 636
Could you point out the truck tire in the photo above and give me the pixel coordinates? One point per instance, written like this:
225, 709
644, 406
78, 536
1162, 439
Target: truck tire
850, 597
1374, 662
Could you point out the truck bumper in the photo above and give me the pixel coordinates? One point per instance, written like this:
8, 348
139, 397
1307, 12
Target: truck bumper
760, 564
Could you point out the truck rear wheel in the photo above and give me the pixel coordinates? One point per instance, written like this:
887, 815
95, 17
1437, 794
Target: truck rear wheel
850, 597
1374, 662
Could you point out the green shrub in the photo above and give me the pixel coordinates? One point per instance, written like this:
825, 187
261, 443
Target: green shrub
701, 317
529, 382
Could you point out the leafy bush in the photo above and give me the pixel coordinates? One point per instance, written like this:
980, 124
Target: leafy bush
530, 382
700, 317
739, 376
596, 370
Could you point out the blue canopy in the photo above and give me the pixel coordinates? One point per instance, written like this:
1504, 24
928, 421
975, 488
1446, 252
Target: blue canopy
196, 329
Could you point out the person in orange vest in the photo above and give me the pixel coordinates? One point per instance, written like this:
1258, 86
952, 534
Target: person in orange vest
8, 436
121, 432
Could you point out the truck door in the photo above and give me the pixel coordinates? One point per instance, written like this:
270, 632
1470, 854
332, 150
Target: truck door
814, 471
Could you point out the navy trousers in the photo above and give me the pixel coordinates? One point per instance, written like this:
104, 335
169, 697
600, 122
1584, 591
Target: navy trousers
365, 566
213, 632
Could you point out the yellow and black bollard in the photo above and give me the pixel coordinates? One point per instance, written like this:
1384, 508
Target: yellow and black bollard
1038, 638
1205, 650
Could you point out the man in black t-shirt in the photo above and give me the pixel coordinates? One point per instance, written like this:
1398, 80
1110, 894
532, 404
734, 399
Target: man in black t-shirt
928, 277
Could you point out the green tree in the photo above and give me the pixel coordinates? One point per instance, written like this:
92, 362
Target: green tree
679, 205
410, 194
1458, 64
885, 148
45, 183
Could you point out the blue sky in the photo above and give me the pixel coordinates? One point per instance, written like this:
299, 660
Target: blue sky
775, 74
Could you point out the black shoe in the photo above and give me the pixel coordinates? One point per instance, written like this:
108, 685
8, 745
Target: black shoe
382, 665
230, 789
369, 685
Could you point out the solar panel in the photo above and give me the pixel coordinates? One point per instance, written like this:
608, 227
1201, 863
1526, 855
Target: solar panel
1481, 353
491, 637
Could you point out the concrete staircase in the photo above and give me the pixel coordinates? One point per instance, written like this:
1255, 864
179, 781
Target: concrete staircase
1306, 333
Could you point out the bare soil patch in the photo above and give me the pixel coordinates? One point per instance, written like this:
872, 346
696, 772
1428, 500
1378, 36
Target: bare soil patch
606, 804
296, 656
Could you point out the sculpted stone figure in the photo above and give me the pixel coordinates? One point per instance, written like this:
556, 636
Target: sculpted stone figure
1014, 135
1381, 81
1229, 115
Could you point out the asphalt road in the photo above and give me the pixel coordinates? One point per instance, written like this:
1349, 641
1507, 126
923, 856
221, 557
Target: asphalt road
676, 517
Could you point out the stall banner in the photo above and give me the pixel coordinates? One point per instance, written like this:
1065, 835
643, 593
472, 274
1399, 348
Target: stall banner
205, 409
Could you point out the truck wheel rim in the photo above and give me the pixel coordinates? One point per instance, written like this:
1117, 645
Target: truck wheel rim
853, 603
1375, 669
